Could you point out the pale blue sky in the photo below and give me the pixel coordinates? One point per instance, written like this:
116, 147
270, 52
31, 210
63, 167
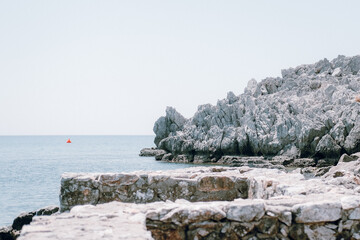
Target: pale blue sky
112, 67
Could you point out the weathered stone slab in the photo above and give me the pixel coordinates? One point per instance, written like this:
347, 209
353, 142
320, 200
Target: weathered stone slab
350, 202
238, 219
313, 212
105, 221
201, 184
245, 211
354, 214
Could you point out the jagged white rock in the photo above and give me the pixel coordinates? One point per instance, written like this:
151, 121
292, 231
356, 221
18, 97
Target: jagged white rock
309, 111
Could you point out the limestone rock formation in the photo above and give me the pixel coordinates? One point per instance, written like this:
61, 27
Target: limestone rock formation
311, 111
168, 125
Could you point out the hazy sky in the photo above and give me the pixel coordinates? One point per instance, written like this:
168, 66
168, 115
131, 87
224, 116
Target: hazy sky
112, 67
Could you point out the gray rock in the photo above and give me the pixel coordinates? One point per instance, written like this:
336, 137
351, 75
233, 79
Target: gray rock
245, 211
286, 217
268, 226
346, 158
6, 233
336, 72
22, 219
317, 212
13, 232
152, 152
309, 110
168, 125
350, 202
319, 232
352, 142
355, 214
327, 147
47, 210
355, 156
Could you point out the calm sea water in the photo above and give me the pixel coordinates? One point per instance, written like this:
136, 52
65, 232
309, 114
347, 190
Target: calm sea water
31, 166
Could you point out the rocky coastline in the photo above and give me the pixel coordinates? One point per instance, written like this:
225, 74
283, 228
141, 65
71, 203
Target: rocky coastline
312, 111
13, 231
206, 203
290, 154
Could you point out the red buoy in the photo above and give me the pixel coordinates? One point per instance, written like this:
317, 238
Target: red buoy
68, 141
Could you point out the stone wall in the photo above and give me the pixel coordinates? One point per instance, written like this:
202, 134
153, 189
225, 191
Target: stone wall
142, 187
276, 205
258, 219
334, 216
202, 184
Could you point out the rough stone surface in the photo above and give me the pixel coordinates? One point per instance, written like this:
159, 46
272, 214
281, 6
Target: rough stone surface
186, 220
49, 210
245, 212
22, 219
105, 221
6, 233
152, 152
310, 111
346, 158
276, 205
13, 232
313, 212
204, 184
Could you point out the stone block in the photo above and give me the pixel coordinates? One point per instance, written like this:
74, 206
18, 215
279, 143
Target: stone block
245, 211
313, 212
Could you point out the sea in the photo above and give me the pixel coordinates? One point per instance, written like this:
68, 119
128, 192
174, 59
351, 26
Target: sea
31, 166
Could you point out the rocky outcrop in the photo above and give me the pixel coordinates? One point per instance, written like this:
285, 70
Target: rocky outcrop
152, 152
311, 111
13, 232
273, 204
164, 126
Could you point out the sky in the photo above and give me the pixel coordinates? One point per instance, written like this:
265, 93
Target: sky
85, 67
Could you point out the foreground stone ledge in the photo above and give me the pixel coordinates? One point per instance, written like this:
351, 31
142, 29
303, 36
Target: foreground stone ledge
105, 221
193, 184
207, 203
274, 218
202, 184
